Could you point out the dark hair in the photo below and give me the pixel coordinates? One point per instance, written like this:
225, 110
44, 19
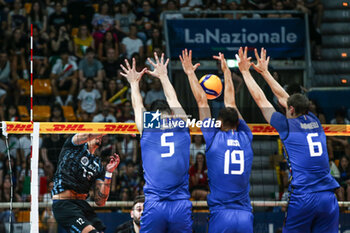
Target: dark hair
160, 105
293, 88
340, 112
138, 199
89, 50
204, 161
300, 103
57, 106
41, 14
229, 117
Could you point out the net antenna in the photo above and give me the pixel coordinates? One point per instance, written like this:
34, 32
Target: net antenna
5, 134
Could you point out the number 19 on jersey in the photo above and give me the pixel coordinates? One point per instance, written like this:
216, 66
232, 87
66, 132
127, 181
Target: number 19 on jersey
234, 157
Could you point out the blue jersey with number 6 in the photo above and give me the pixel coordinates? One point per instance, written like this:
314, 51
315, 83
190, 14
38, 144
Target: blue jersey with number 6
305, 148
166, 159
229, 160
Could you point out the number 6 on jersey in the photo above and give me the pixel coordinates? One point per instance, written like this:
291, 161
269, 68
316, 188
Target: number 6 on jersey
234, 155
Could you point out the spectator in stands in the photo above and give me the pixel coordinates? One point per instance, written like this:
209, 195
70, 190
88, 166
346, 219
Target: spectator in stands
199, 186
127, 147
344, 169
105, 115
47, 217
125, 113
156, 93
51, 149
278, 6
38, 18
40, 54
11, 113
61, 41
64, 77
82, 41
155, 41
316, 8
260, 4
315, 109
17, 17
131, 44
13, 144
17, 46
57, 114
340, 117
90, 67
102, 22
171, 5
124, 19
4, 81
133, 226
197, 146
129, 180
111, 65
145, 19
191, 4
109, 42
89, 99
5, 215
58, 18
109, 92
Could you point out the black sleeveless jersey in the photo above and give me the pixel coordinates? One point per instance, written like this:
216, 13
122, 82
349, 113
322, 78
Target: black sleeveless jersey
77, 169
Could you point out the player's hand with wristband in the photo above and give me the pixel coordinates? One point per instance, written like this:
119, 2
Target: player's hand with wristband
114, 161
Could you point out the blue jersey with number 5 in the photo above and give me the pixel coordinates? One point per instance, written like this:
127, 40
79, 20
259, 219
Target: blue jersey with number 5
166, 159
229, 160
305, 148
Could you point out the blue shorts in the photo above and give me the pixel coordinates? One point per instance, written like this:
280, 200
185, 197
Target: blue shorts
167, 216
231, 221
312, 212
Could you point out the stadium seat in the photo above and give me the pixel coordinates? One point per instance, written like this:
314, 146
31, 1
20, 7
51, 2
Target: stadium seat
333, 4
336, 41
263, 177
340, 54
24, 86
42, 87
331, 67
335, 28
23, 113
336, 15
95, 6
41, 112
69, 114
23, 216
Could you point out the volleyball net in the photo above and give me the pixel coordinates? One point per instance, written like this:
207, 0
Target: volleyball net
32, 149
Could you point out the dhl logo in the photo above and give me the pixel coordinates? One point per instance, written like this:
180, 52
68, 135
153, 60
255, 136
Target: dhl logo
119, 128
262, 129
20, 128
68, 127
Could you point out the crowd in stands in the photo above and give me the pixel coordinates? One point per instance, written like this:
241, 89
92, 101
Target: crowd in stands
79, 46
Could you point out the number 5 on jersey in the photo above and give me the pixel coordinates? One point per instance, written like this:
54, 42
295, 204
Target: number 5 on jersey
167, 144
235, 157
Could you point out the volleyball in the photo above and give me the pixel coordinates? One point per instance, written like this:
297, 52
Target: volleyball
212, 85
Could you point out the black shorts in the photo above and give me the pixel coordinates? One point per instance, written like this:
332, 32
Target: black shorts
75, 215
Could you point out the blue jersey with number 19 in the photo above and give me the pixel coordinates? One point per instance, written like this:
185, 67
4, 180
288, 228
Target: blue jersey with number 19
229, 159
306, 151
166, 159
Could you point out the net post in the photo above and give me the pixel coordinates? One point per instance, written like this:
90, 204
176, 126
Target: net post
34, 184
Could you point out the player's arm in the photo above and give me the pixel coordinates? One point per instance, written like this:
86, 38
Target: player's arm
102, 188
133, 78
197, 90
160, 71
262, 68
258, 95
229, 92
82, 138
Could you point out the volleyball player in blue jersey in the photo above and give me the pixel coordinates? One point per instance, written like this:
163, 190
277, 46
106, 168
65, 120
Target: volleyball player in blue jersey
312, 205
165, 156
229, 156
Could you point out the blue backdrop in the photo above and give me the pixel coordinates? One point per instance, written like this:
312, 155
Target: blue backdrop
283, 38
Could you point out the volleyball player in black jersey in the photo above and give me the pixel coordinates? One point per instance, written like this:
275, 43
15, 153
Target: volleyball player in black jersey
77, 171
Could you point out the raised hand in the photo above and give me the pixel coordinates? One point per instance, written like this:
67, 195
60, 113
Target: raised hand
160, 68
222, 60
244, 61
130, 73
114, 161
262, 63
186, 61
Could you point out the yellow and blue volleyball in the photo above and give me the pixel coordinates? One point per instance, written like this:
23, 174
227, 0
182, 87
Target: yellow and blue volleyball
212, 85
